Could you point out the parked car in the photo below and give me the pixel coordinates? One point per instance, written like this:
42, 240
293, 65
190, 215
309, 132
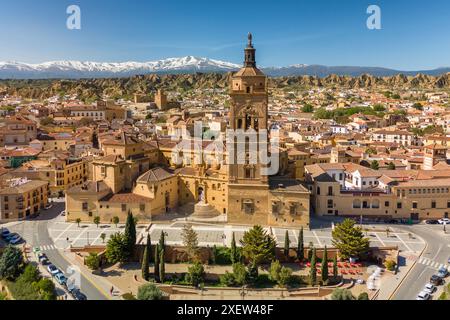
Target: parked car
16, 240
435, 280
432, 222
78, 295
444, 221
43, 259
11, 236
63, 213
429, 288
423, 296
53, 270
5, 233
442, 272
61, 278
448, 260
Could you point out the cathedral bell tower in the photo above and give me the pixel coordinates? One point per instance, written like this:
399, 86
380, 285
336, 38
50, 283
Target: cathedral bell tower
248, 187
248, 116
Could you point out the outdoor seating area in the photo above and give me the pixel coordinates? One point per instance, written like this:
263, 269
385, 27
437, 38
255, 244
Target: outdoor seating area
344, 268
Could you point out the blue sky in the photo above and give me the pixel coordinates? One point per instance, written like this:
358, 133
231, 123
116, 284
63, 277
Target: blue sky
415, 33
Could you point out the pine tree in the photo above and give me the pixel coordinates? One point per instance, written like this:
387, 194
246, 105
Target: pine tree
349, 239
287, 244
146, 260
162, 267
190, 242
325, 265
156, 267
300, 246
335, 266
313, 271
253, 272
233, 251
130, 234
258, 246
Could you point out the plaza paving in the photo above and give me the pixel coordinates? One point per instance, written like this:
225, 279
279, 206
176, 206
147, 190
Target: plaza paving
66, 234
219, 235
222, 235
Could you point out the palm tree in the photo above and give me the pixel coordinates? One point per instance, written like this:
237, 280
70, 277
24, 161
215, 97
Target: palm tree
78, 221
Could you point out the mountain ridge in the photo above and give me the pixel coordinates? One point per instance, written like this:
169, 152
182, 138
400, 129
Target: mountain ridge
71, 69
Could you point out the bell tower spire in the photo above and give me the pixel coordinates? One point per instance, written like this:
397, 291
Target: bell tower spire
250, 53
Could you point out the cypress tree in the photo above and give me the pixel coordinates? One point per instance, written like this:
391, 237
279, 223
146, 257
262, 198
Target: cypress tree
162, 241
162, 267
300, 246
214, 255
325, 265
233, 251
156, 267
287, 244
146, 260
130, 234
310, 251
313, 271
335, 266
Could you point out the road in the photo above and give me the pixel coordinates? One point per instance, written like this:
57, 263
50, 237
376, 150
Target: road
35, 232
436, 254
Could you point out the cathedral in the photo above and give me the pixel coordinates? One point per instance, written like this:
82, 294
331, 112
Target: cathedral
141, 177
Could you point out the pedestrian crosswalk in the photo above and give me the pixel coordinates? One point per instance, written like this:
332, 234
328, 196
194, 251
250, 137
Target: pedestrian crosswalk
48, 247
433, 264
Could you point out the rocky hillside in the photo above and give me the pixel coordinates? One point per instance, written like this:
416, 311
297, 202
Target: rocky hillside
91, 89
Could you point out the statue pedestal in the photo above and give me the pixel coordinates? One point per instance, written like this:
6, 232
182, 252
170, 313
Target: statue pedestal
204, 210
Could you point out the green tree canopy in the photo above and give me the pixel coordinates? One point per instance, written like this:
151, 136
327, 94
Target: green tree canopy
149, 291
196, 274
300, 246
307, 108
117, 249
258, 246
93, 261
190, 241
342, 294
145, 268
130, 234
375, 165
11, 263
234, 252
349, 239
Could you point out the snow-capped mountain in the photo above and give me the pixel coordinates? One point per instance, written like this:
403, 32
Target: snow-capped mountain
190, 64
77, 69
